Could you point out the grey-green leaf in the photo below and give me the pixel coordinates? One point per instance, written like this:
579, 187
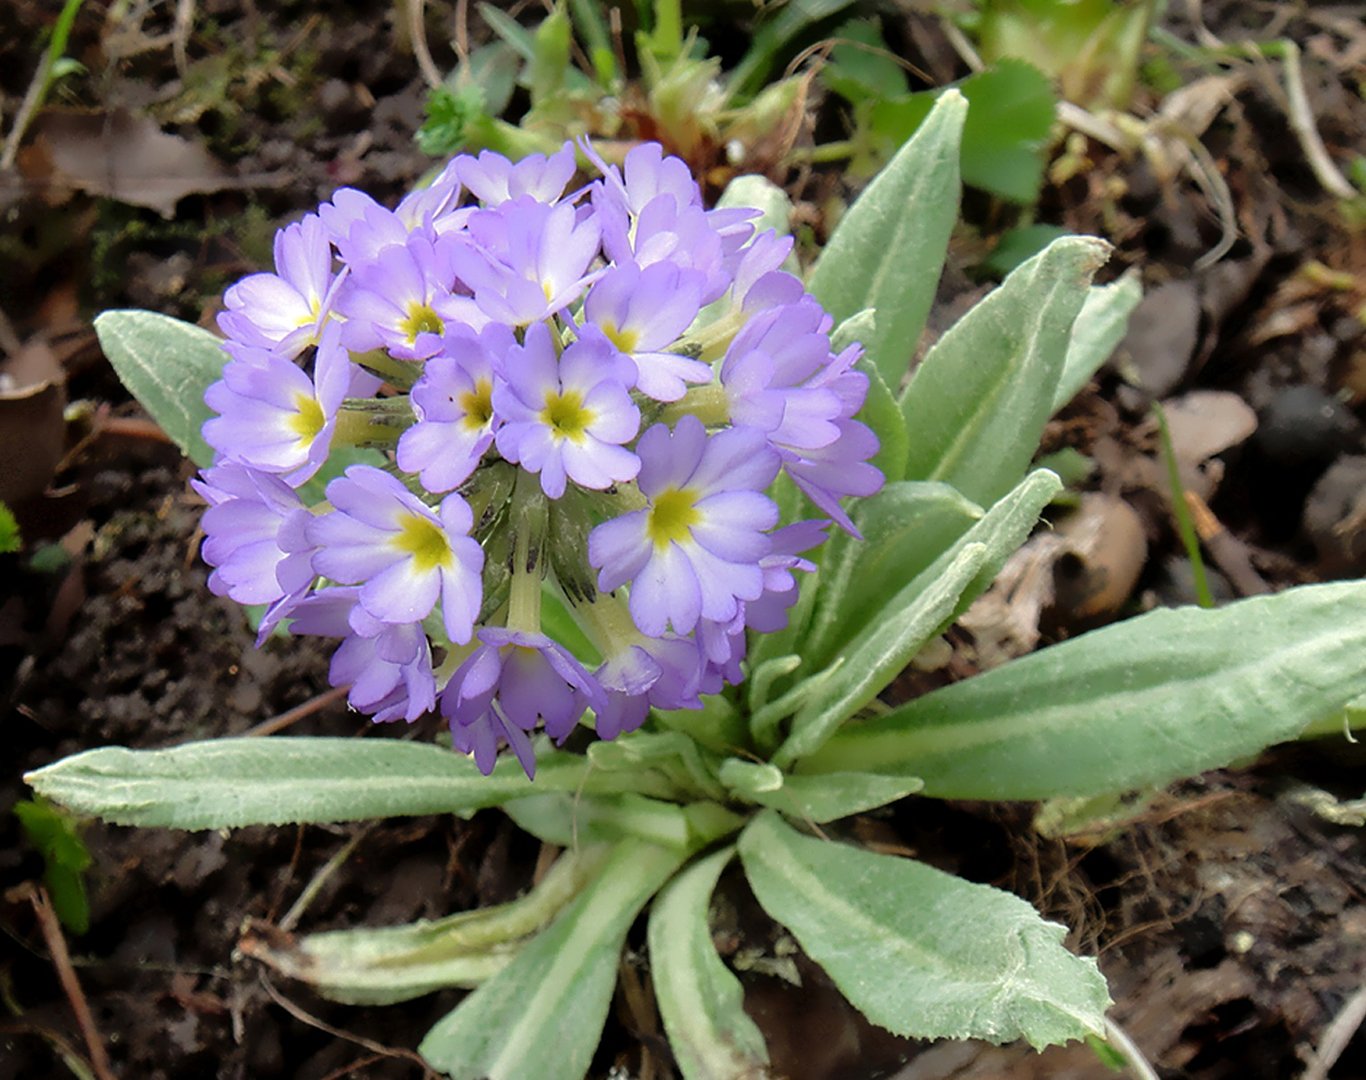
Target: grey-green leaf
874, 656
920, 952
167, 364
700, 1001
816, 798
1100, 326
229, 783
1143, 702
905, 527
888, 251
976, 408
542, 1015
387, 964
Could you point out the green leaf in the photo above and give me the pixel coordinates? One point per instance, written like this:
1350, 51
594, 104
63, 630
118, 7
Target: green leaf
918, 611
862, 67
922, 953
10, 540
978, 403
1018, 245
542, 1015
1099, 328
772, 36
384, 965
759, 193
700, 1001
167, 364
1143, 702
229, 783
875, 656
1010, 118
905, 527
568, 818
888, 250
817, 798
65, 859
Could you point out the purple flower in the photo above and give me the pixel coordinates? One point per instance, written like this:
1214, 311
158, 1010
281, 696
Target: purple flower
495, 180
648, 174
566, 418
388, 666
694, 551
526, 260
361, 228
662, 672
404, 556
274, 417
402, 300
768, 375
248, 510
453, 402
642, 312
284, 312
512, 681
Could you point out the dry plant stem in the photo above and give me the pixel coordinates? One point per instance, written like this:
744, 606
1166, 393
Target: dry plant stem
311, 890
299, 712
1338, 1034
71, 1058
417, 33
308, 1018
180, 33
61, 960
1128, 1049
32, 99
1302, 124
1225, 549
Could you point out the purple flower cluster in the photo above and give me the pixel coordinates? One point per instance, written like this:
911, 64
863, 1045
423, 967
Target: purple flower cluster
527, 365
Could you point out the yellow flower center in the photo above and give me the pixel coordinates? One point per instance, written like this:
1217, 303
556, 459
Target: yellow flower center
425, 541
565, 415
478, 405
674, 512
421, 320
624, 340
308, 418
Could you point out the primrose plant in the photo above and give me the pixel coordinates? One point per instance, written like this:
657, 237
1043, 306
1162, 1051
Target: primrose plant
558, 463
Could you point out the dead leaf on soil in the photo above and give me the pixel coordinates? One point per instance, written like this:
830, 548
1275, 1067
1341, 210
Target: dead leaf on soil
120, 155
1204, 423
32, 431
1085, 569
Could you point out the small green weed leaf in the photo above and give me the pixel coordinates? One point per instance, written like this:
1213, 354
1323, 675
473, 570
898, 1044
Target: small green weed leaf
388, 964
773, 35
977, 405
542, 1015
10, 540
920, 952
65, 859
888, 251
1143, 702
700, 1001
229, 783
863, 67
167, 364
816, 798
919, 610
905, 526
1099, 328
1020, 245
1010, 117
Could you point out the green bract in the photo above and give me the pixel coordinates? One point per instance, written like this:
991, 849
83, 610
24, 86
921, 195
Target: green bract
654, 818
